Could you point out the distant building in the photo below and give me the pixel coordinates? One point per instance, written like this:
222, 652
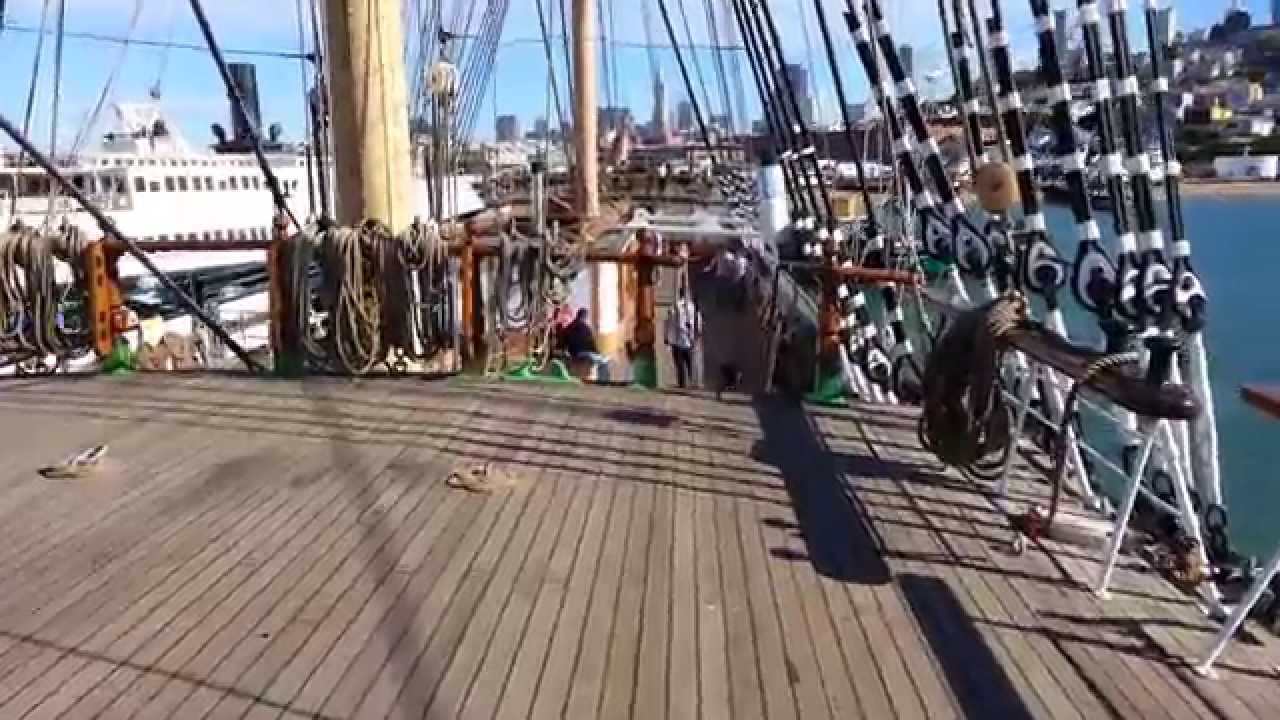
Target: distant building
759, 127
658, 127
1167, 25
1275, 12
907, 55
539, 129
684, 116
721, 123
1061, 20
798, 78
613, 117
507, 128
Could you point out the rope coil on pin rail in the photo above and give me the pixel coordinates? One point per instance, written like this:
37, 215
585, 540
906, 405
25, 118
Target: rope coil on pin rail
34, 313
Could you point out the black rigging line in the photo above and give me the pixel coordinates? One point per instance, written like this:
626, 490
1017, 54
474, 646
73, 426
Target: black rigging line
717, 56
770, 39
873, 224
167, 44
768, 106
697, 66
684, 74
237, 104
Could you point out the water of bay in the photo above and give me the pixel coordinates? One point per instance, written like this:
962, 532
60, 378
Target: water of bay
1236, 250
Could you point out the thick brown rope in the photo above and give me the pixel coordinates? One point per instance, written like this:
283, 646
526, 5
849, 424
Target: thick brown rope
963, 418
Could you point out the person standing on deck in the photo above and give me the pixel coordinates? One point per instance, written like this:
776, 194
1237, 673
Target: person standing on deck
684, 329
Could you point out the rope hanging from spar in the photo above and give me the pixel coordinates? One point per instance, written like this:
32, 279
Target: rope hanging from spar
1144, 275
802, 210
1189, 300
832, 244
903, 356
961, 237
238, 106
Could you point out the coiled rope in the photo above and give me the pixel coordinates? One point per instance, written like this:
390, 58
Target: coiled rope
963, 419
32, 317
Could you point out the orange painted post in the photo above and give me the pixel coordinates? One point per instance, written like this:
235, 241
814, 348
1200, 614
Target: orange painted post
828, 380
105, 302
467, 279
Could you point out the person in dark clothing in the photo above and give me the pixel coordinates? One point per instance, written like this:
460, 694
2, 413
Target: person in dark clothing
578, 341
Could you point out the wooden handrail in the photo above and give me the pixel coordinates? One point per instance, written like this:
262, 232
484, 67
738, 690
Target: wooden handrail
1264, 397
1119, 385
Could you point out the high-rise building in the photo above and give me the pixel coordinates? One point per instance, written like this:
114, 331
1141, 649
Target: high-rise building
1275, 12
1061, 20
907, 55
684, 116
613, 117
798, 77
540, 129
658, 126
1167, 25
507, 128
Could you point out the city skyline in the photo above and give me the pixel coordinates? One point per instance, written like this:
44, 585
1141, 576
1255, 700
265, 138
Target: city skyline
192, 93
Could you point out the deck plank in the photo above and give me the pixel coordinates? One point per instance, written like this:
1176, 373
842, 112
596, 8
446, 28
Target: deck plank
287, 549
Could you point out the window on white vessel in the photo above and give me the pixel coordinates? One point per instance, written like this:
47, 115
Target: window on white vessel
257, 184
139, 185
208, 183
233, 183
6, 184
222, 184
151, 162
164, 238
77, 181
207, 237
217, 235
170, 185
243, 234
155, 186
245, 183
182, 183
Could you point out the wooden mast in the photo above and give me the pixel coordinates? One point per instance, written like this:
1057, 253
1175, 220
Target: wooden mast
370, 112
584, 109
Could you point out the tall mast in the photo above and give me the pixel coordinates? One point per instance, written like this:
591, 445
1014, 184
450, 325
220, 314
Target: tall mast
370, 113
584, 108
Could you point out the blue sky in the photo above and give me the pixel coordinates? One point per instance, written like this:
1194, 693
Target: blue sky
193, 95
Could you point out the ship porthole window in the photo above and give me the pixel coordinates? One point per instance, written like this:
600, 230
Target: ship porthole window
139, 185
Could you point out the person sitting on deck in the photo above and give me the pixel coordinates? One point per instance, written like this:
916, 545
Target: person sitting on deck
578, 341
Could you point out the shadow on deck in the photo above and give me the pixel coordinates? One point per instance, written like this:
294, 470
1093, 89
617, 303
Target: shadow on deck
261, 548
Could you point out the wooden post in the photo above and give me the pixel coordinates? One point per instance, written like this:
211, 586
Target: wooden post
644, 359
370, 115
585, 135
466, 281
104, 299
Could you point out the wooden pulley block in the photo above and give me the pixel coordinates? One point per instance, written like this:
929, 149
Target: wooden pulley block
997, 187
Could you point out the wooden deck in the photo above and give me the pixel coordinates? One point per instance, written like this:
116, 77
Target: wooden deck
264, 549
